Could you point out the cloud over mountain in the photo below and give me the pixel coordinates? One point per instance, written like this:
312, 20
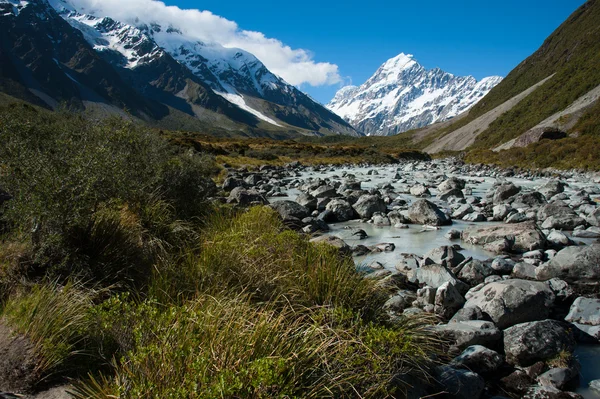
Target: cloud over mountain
296, 66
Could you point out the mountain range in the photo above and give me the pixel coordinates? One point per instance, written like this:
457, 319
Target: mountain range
402, 95
52, 55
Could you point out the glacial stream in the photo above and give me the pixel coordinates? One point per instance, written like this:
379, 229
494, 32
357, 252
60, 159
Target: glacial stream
419, 241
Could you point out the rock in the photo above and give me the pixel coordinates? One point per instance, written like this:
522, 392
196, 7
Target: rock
407, 262
426, 296
253, 180
307, 201
434, 276
524, 270
595, 385
288, 209
367, 205
325, 191
585, 311
554, 209
420, 191
396, 218
504, 192
572, 264
475, 217
513, 301
462, 211
446, 256
568, 222
475, 272
475, 332
590, 232
450, 184
380, 219
527, 343
594, 218
447, 300
517, 382
446, 195
19, 361
245, 197
503, 265
498, 246
479, 358
501, 211
558, 239
517, 217
341, 210
397, 304
230, 183
533, 200
467, 314
460, 384
559, 377
452, 234
334, 241
522, 236
543, 392
425, 212
551, 188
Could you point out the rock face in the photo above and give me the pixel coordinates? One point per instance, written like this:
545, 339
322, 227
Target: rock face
573, 263
513, 301
426, 212
402, 95
585, 311
521, 237
527, 343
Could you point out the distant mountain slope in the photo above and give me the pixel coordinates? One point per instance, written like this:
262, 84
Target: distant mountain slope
52, 54
403, 95
571, 55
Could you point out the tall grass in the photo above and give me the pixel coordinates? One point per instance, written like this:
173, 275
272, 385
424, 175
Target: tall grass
231, 348
56, 320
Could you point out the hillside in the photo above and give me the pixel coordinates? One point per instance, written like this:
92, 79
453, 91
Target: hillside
566, 69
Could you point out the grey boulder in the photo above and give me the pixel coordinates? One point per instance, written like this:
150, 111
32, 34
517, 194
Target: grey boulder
426, 212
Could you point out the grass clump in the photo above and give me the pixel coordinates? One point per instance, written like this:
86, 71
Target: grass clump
55, 319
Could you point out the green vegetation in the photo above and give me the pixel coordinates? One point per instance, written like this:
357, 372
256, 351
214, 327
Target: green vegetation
129, 282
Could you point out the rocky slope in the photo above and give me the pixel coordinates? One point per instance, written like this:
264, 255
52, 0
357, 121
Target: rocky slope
403, 95
155, 73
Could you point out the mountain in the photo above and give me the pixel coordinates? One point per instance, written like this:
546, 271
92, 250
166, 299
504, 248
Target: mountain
553, 93
403, 95
53, 54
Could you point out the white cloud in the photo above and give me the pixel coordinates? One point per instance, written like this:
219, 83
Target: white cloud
296, 66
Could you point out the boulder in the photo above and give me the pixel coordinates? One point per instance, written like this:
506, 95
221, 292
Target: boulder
231, 182
325, 191
434, 276
479, 359
459, 383
334, 241
475, 217
447, 300
500, 211
467, 314
426, 212
462, 211
474, 332
475, 272
514, 301
504, 192
559, 377
245, 197
566, 222
341, 210
527, 343
367, 205
551, 188
455, 192
446, 256
546, 392
585, 311
289, 209
522, 237
450, 184
419, 191
307, 201
558, 209
573, 263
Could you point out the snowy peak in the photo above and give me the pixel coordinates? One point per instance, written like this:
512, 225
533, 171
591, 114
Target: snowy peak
403, 95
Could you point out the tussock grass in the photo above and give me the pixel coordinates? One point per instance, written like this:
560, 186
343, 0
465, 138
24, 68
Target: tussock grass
231, 348
56, 319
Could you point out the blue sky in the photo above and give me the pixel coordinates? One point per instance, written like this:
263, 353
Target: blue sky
479, 38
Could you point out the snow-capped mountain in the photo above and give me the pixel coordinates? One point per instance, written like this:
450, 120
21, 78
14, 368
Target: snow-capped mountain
234, 74
403, 95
